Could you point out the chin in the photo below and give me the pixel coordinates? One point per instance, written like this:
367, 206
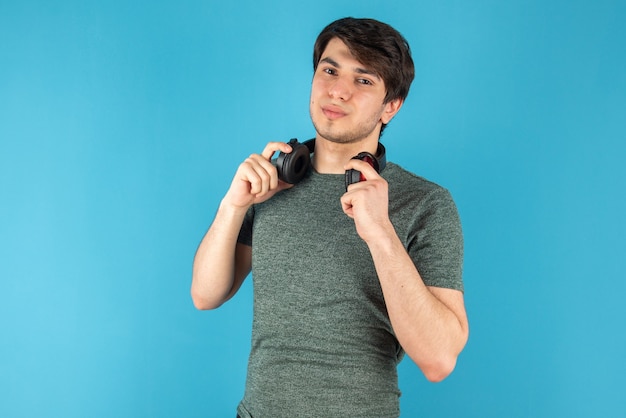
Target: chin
343, 137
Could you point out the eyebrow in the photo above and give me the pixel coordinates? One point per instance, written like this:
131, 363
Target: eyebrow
358, 70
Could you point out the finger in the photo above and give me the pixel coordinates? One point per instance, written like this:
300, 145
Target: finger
367, 170
267, 165
259, 172
272, 147
346, 205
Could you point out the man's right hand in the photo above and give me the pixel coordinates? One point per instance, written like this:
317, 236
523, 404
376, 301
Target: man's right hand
256, 179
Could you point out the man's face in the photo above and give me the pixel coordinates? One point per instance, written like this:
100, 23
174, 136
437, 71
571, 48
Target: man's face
347, 98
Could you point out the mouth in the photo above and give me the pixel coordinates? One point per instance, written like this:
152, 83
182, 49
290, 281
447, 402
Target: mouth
333, 112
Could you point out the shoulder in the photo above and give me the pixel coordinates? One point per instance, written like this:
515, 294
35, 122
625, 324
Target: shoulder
427, 220
404, 184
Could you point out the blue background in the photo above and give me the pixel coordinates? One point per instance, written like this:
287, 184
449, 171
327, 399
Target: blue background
122, 123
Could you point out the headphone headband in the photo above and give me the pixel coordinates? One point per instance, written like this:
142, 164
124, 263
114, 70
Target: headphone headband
293, 166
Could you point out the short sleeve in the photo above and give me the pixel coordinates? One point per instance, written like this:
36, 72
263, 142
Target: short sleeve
437, 241
245, 233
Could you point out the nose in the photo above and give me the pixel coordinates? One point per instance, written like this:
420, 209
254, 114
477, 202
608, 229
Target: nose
340, 89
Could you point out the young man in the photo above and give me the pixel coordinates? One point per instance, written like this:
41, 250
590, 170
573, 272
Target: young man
345, 282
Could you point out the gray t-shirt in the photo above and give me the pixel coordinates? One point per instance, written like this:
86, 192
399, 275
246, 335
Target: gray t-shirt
322, 342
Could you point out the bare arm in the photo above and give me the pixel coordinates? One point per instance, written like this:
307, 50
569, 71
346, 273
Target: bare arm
430, 323
221, 264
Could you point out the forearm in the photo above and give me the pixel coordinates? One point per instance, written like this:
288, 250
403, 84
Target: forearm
220, 264
431, 332
215, 265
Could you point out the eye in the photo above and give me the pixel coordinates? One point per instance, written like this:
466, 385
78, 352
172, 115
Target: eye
330, 71
364, 81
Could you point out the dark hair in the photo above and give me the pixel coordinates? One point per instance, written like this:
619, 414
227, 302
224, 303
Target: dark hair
376, 45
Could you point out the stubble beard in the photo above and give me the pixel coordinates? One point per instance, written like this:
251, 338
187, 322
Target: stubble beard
328, 131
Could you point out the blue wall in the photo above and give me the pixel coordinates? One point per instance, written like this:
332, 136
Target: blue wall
121, 125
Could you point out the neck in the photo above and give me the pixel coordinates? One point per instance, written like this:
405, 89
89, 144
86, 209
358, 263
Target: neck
331, 157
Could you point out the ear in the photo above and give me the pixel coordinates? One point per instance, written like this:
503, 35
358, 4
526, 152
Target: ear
390, 109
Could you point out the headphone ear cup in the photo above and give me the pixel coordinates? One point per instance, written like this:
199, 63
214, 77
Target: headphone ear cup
352, 176
292, 167
355, 176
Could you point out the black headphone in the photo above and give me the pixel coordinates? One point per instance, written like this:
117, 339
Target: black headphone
293, 166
